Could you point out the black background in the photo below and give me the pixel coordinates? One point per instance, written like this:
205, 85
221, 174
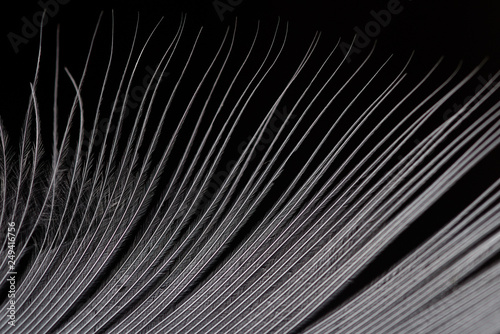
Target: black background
468, 30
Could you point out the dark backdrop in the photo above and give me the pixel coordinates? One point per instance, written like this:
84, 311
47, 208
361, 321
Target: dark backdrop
468, 30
